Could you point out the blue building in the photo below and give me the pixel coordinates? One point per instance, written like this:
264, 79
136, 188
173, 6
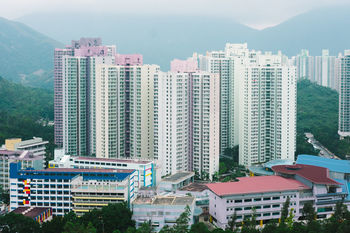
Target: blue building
67, 189
339, 170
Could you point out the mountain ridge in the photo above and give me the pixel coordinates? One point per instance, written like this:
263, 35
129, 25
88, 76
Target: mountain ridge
22, 51
159, 38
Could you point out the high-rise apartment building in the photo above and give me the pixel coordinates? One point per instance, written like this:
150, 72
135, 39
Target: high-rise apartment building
79, 103
344, 96
187, 111
77, 93
325, 70
305, 65
74, 93
223, 63
267, 109
124, 110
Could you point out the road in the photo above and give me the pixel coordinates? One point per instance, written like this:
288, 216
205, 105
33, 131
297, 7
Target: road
324, 152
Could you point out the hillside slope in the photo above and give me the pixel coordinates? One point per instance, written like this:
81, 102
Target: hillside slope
317, 112
26, 56
21, 109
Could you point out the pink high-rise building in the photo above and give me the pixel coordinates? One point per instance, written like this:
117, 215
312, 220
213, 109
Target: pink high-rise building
75, 93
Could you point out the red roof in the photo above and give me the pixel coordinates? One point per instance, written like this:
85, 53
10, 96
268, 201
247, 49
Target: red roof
317, 175
256, 184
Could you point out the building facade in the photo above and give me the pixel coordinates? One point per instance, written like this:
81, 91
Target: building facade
28, 160
161, 210
145, 171
36, 145
125, 110
187, 114
66, 189
267, 194
267, 121
223, 63
344, 96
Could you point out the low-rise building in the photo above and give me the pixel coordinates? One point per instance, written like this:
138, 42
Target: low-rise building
264, 196
67, 189
28, 160
91, 194
161, 210
176, 181
201, 192
339, 170
145, 171
35, 145
38, 214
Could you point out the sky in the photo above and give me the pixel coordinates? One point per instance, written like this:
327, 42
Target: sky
258, 14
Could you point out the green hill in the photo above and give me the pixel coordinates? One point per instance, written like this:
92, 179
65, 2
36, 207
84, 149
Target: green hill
21, 111
317, 112
26, 56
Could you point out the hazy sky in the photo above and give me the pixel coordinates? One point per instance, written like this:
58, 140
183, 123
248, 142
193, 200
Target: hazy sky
255, 13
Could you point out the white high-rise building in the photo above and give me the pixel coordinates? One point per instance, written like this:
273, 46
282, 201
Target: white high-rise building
325, 70
305, 65
223, 63
344, 96
171, 122
124, 110
78, 88
267, 109
187, 130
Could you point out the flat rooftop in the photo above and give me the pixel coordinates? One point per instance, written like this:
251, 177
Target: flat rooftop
256, 184
78, 170
136, 161
315, 174
195, 187
335, 165
178, 177
165, 200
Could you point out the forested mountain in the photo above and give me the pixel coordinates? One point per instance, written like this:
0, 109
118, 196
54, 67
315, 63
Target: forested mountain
317, 112
26, 56
23, 111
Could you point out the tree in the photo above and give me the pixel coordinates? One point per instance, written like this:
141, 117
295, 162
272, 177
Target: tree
199, 228
76, 227
284, 211
340, 211
232, 222
308, 212
182, 223
249, 225
56, 225
4, 195
18, 223
146, 227
222, 168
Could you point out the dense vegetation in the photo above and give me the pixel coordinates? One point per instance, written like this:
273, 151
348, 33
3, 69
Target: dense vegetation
116, 218
23, 111
317, 112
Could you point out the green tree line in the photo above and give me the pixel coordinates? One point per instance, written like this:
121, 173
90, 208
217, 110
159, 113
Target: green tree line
21, 111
